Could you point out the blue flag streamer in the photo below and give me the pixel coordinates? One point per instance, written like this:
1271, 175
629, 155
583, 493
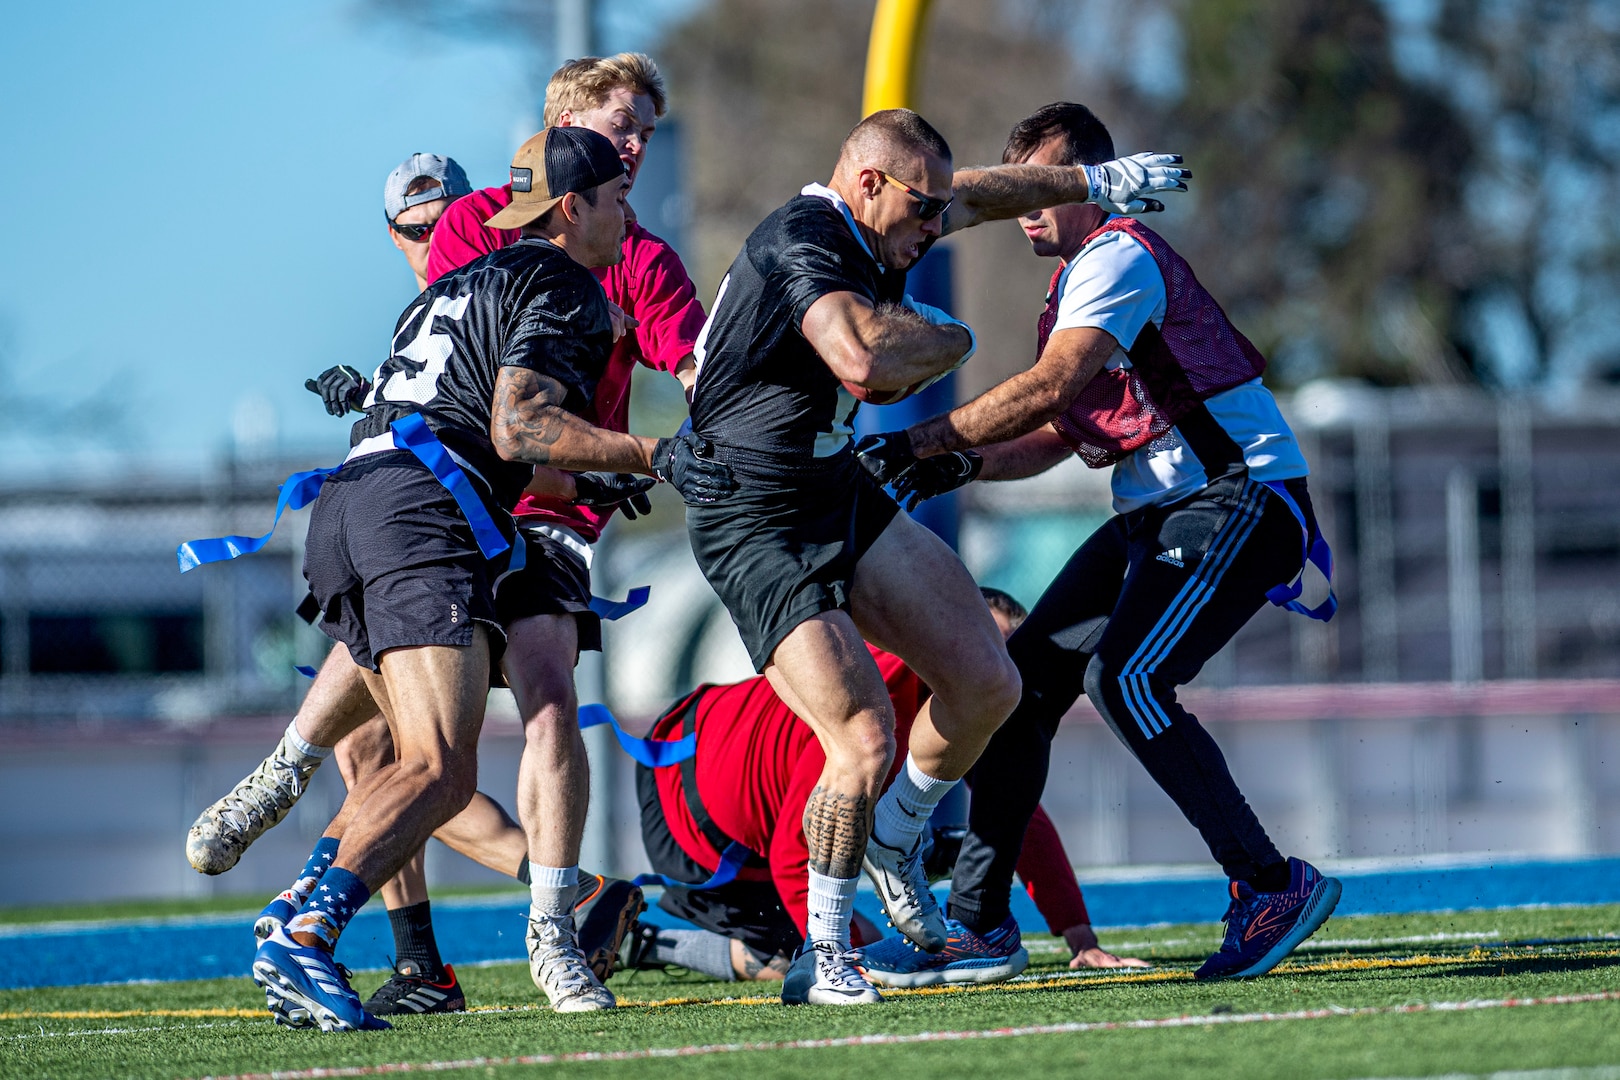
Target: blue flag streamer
618, 609
731, 861
297, 492
1317, 554
653, 753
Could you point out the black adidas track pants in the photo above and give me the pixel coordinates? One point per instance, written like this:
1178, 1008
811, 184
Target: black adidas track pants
1136, 612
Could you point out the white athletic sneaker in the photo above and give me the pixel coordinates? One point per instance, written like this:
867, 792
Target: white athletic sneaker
559, 968
824, 973
902, 889
256, 805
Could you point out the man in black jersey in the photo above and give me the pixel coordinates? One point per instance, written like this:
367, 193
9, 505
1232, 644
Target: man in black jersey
810, 555
496, 361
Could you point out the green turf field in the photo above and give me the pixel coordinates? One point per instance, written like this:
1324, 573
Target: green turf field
1414, 995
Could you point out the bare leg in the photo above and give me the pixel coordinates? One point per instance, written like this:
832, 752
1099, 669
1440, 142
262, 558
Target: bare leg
336, 704
436, 696
824, 673
486, 834
338, 701
359, 754
554, 778
913, 597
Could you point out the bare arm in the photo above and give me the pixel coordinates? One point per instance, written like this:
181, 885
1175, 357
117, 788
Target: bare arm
686, 372
1025, 402
553, 482
528, 423
997, 192
1027, 455
884, 348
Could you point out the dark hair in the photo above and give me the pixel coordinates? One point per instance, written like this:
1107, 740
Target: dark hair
421, 184
1086, 140
544, 220
1003, 604
903, 127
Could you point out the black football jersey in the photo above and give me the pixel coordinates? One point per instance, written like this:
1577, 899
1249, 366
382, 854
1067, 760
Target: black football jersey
769, 403
526, 305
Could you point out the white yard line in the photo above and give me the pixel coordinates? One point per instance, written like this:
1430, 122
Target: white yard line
43, 1034
931, 1037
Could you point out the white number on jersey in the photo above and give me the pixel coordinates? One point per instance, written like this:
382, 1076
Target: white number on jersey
430, 350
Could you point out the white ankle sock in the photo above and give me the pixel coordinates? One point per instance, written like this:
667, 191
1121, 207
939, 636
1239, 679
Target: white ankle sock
832, 902
552, 889
304, 746
903, 811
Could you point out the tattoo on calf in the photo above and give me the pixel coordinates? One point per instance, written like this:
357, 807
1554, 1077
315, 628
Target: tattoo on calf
755, 962
836, 827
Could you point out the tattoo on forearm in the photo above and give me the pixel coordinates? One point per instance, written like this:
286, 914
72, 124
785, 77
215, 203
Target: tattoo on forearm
836, 827
527, 412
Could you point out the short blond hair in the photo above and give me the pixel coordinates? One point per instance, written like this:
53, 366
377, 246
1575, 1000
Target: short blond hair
586, 83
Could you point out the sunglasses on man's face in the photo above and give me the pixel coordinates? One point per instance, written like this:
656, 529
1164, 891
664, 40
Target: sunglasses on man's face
928, 207
414, 233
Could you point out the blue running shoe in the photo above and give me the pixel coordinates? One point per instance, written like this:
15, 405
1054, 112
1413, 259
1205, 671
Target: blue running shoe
304, 987
966, 958
1262, 928
276, 914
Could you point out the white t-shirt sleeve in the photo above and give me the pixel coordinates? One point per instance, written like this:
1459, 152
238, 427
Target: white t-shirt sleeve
1113, 285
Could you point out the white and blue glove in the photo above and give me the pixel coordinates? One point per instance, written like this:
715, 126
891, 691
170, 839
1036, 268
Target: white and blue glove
1122, 186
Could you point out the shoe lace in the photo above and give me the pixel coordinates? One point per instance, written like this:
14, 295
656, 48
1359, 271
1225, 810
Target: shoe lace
837, 964
399, 985
555, 954
914, 882
263, 799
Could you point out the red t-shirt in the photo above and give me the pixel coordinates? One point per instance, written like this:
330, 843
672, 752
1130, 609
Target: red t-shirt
650, 283
757, 764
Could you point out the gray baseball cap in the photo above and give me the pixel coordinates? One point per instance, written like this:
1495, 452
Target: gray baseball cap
452, 183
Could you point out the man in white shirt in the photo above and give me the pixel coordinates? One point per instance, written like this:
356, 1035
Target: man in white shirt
1140, 369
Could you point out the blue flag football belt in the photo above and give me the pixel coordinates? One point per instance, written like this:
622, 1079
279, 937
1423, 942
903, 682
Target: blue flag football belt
300, 489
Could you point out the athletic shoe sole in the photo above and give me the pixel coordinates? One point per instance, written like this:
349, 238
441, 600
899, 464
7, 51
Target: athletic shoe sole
603, 956
291, 1007
1318, 906
961, 972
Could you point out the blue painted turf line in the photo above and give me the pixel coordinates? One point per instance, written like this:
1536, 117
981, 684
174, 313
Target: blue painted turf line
491, 929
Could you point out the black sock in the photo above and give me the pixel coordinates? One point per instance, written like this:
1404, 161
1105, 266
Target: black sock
414, 944
1273, 878
523, 871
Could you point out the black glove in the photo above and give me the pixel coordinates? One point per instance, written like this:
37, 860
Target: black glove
886, 455
684, 461
342, 388
625, 490
935, 476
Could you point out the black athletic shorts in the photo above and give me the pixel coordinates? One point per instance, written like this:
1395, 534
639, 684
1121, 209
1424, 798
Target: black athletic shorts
779, 555
750, 911
553, 580
391, 562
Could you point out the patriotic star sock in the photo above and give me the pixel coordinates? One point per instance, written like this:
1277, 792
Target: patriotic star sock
330, 907
832, 902
414, 942
904, 810
310, 876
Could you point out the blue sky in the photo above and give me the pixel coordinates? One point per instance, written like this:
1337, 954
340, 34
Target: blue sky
194, 208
